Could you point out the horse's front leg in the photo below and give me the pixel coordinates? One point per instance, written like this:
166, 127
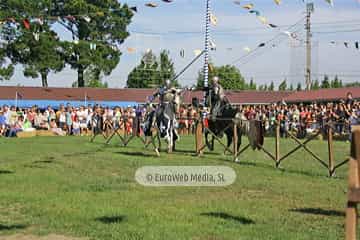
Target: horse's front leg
170, 138
229, 138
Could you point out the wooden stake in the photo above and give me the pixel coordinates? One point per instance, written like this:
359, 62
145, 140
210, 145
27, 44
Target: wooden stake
330, 151
277, 145
235, 143
354, 183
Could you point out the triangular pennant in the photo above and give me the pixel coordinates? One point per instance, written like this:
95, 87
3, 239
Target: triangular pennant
247, 49
134, 9
257, 13
272, 25
248, 6
331, 2
197, 52
151, 4
182, 53
213, 19
263, 20
131, 50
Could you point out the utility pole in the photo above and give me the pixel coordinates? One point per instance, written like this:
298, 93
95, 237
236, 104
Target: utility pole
206, 51
309, 11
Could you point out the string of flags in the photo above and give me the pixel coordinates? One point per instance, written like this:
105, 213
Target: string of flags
27, 23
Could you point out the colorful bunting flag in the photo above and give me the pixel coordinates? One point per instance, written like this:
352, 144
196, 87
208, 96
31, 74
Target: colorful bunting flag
255, 11
248, 6
247, 49
272, 25
197, 52
131, 50
134, 9
213, 19
151, 4
263, 20
182, 53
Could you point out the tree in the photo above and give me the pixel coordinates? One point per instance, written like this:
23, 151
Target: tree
298, 87
167, 69
291, 88
325, 83
99, 27
30, 43
152, 72
230, 78
252, 84
336, 83
353, 84
272, 86
315, 85
93, 79
283, 85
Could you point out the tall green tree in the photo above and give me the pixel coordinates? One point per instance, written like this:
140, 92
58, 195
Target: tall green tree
152, 71
29, 43
315, 85
291, 88
298, 87
283, 85
230, 77
93, 79
271, 86
252, 84
336, 83
325, 83
98, 27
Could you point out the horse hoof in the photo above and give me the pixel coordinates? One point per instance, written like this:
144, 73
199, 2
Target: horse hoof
157, 152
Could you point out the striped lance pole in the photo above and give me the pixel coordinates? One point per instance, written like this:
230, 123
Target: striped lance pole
206, 54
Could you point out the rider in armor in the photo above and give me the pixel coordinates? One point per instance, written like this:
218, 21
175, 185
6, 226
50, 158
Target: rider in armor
218, 97
167, 97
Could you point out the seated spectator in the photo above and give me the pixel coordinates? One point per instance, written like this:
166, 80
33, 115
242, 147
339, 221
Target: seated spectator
76, 127
16, 127
55, 129
40, 121
2, 123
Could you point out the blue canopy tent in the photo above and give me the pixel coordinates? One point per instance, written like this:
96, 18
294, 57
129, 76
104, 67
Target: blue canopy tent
42, 104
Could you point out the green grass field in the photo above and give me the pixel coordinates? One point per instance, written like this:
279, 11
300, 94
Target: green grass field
71, 187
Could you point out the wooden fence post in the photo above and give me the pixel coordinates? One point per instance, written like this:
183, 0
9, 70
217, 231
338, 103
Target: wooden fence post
277, 144
330, 151
354, 184
235, 143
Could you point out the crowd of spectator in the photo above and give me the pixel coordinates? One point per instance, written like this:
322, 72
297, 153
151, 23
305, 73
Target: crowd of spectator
68, 120
306, 118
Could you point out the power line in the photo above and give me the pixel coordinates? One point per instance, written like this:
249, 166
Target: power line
274, 38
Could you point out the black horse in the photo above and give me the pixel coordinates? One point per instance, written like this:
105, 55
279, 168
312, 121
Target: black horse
225, 120
223, 123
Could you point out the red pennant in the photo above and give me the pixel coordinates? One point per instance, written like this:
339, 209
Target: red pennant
26, 23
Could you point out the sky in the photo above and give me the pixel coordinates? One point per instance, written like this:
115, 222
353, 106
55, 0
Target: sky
180, 25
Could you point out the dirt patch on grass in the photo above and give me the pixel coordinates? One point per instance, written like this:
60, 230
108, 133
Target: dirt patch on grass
32, 237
